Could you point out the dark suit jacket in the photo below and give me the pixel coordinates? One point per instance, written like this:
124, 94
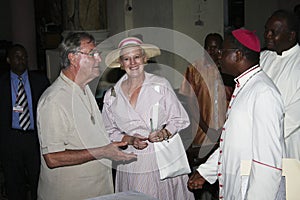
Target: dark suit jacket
38, 83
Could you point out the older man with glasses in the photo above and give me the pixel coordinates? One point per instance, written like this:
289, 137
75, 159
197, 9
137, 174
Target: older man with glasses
76, 151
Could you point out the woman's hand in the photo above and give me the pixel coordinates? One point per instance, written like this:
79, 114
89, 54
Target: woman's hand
158, 136
139, 142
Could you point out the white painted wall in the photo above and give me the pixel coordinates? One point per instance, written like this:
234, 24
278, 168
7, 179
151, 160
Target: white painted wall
181, 15
185, 13
172, 14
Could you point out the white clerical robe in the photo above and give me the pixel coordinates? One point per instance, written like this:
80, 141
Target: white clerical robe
284, 70
253, 131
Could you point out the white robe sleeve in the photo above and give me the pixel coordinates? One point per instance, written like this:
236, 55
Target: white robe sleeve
292, 115
265, 174
209, 169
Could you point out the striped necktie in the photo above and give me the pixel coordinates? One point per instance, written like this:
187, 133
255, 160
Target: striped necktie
24, 117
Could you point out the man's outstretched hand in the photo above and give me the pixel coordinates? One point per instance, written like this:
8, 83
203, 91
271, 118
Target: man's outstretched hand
112, 151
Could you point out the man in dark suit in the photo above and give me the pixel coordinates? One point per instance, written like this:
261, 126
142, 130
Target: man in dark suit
19, 145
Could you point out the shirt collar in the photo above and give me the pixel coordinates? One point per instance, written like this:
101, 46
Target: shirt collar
70, 83
66, 79
15, 76
290, 51
242, 79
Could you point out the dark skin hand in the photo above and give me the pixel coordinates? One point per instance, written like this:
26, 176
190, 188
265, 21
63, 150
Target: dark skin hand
196, 181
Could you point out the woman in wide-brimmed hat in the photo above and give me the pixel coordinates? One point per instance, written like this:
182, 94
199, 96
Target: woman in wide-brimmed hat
128, 116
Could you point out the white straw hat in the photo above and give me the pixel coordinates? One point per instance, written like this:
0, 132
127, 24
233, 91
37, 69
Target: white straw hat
112, 58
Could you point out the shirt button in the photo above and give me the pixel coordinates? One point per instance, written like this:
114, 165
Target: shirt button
219, 163
221, 151
221, 185
223, 129
221, 140
219, 174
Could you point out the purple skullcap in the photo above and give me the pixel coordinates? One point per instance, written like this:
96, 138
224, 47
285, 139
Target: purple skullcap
247, 38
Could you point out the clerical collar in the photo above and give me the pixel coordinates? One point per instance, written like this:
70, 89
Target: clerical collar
241, 79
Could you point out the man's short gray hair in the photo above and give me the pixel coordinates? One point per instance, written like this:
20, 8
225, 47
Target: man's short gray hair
71, 44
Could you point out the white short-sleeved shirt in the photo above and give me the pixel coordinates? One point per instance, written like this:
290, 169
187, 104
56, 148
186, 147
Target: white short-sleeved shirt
64, 122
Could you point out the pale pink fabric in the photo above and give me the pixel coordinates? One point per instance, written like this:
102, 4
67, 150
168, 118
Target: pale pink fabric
119, 116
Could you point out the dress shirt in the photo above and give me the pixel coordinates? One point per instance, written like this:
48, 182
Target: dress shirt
64, 123
14, 91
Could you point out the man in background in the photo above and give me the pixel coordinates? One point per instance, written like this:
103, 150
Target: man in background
213, 44
203, 80
281, 61
20, 90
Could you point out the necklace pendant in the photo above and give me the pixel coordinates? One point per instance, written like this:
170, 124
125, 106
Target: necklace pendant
93, 119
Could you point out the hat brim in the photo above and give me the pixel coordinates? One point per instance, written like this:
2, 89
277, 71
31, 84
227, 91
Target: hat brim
112, 58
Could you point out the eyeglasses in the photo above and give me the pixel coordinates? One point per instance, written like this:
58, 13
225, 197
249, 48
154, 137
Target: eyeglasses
221, 51
92, 53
